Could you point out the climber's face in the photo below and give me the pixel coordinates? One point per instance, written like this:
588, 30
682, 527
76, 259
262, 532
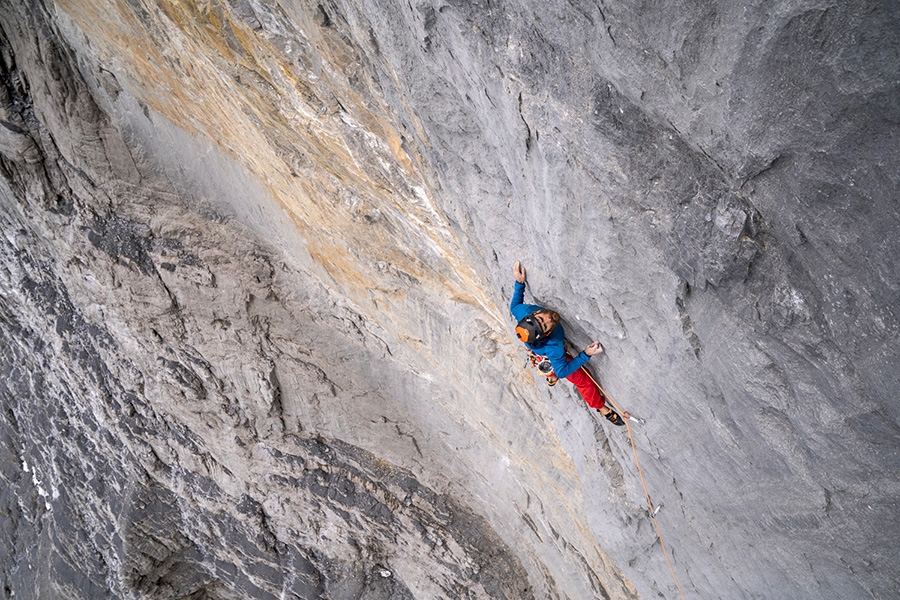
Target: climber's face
548, 319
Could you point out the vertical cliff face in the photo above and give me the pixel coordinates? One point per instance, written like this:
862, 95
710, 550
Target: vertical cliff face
256, 261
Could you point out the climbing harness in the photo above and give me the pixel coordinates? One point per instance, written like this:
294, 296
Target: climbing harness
542, 365
654, 510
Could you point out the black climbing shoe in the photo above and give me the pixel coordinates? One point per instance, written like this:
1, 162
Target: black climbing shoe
613, 417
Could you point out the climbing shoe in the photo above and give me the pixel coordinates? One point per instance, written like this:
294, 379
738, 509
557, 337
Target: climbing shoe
613, 417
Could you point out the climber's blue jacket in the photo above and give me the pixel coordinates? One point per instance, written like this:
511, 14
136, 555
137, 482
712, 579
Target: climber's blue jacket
554, 347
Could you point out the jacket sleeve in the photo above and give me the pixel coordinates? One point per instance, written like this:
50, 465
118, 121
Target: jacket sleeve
518, 297
517, 306
555, 350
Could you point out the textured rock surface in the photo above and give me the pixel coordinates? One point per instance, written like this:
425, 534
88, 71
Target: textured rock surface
255, 266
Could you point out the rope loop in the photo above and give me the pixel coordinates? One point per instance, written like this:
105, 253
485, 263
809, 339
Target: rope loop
637, 461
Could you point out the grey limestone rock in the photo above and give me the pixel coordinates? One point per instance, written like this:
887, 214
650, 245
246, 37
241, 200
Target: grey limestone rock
255, 265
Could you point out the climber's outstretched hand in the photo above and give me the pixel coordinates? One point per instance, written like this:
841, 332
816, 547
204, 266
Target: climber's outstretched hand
519, 272
593, 348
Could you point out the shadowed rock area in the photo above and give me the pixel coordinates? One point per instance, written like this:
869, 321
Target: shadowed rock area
256, 268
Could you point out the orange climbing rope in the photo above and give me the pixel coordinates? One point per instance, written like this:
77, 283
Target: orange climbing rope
637, 461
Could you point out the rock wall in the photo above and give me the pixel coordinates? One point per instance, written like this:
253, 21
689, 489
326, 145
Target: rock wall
256, 267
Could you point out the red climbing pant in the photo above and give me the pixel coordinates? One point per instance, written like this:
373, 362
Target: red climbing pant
587, 387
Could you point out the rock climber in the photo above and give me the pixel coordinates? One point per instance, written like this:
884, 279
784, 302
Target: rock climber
543, 335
